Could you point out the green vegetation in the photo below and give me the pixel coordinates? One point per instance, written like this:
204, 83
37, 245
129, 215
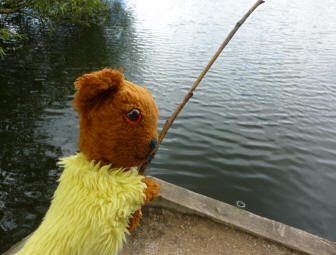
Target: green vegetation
46, 13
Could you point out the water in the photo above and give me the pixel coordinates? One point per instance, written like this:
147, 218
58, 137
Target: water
259, 129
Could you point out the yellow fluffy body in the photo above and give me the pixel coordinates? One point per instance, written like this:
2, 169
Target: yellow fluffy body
89, 212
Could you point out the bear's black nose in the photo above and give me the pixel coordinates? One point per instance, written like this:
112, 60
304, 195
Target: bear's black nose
152, 145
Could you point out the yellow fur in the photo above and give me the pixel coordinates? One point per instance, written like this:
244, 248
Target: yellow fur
90, 210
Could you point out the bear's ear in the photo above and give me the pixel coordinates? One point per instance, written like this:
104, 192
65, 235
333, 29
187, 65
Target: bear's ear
91, 86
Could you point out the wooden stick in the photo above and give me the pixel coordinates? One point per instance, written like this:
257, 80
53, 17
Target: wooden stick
172, 118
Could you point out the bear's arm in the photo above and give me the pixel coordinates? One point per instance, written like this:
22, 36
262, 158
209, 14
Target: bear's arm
151, 193
152, 189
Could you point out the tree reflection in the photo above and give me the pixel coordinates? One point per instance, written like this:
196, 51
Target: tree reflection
36, 115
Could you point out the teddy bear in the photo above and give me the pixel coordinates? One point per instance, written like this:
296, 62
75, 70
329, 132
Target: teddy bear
100, 192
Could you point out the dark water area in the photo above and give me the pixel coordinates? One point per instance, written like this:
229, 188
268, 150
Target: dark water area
259, 129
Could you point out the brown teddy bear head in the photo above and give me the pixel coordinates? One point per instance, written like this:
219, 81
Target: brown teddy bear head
118, 119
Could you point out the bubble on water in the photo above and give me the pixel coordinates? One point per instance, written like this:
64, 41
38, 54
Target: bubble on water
30, 217
7, 222
10, 178
33, 194
241, 204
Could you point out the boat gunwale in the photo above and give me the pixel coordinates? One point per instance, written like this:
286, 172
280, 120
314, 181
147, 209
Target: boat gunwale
184, 201
176, 198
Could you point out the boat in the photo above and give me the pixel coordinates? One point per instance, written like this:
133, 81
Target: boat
180, 221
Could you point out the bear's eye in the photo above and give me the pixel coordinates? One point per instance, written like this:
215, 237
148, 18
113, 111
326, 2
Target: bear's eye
134, 116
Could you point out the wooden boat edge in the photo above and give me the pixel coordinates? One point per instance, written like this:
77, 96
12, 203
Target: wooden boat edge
181, 200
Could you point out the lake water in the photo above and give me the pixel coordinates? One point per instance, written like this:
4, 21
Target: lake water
260, 128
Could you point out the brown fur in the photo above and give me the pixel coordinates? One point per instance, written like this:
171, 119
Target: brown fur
103, 100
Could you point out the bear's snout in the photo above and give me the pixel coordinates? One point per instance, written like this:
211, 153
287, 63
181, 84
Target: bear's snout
152, 145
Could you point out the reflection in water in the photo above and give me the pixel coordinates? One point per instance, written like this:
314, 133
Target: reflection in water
38, 124
259, 129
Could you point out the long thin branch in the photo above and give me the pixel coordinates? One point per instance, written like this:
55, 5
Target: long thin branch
172, 118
